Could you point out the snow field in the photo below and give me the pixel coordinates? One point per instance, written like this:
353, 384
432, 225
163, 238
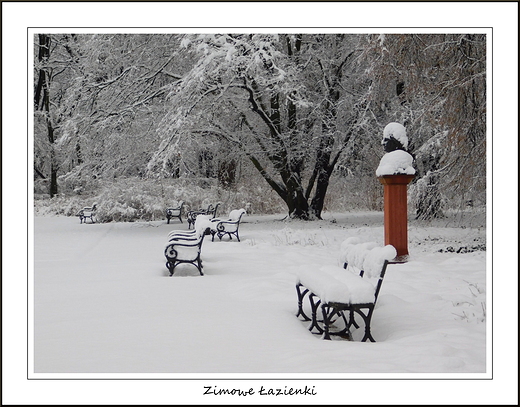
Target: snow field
104, 303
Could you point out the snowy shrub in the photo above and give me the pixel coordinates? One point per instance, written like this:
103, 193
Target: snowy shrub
135, 199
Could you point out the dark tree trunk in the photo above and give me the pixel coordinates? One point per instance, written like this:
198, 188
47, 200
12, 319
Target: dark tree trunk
42, 92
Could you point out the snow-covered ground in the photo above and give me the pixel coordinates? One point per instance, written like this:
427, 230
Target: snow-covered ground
104, 302
106, 308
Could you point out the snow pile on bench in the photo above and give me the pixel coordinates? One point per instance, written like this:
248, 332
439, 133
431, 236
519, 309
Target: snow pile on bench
375, 260
335, 284
236, 214
353, 253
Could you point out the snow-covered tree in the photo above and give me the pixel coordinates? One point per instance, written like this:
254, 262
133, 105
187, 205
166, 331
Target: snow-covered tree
107, 93
286, 102
55, 67
290, 108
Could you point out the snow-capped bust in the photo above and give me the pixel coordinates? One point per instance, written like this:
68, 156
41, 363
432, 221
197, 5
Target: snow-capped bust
394, 137
396, 160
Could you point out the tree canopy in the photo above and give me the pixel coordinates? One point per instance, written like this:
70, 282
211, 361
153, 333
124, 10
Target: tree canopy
296, 107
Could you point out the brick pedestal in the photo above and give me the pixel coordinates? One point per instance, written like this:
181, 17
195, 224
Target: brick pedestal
396, 212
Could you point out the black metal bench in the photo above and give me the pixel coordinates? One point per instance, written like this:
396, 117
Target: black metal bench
230, 226
191, 216
89, 212
175, 212
335, 295
185, 246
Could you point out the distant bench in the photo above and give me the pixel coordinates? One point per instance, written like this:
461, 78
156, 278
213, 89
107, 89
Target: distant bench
229, 226
88, 212
184, 247
191, 216
175, 212
341, 293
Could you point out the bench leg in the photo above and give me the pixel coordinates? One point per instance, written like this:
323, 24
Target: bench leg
324, 309
367, 320
199, 266
328, 319
352, 320
314, 313
301, 296
197, 263
170, 267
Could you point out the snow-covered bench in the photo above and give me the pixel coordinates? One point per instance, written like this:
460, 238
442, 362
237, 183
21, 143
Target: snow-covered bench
175, 212
191, 216
230, 226
87, 212
340, 293
185, 246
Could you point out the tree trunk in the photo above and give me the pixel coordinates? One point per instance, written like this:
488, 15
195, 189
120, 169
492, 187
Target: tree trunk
296, 201
43, 86
322, 184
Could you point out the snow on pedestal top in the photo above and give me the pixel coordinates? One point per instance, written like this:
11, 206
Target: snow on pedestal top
395, 162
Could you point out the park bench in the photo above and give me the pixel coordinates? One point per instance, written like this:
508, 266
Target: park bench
185, 246
88, 212
339, 294
230, 226
191, 216
175, 212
